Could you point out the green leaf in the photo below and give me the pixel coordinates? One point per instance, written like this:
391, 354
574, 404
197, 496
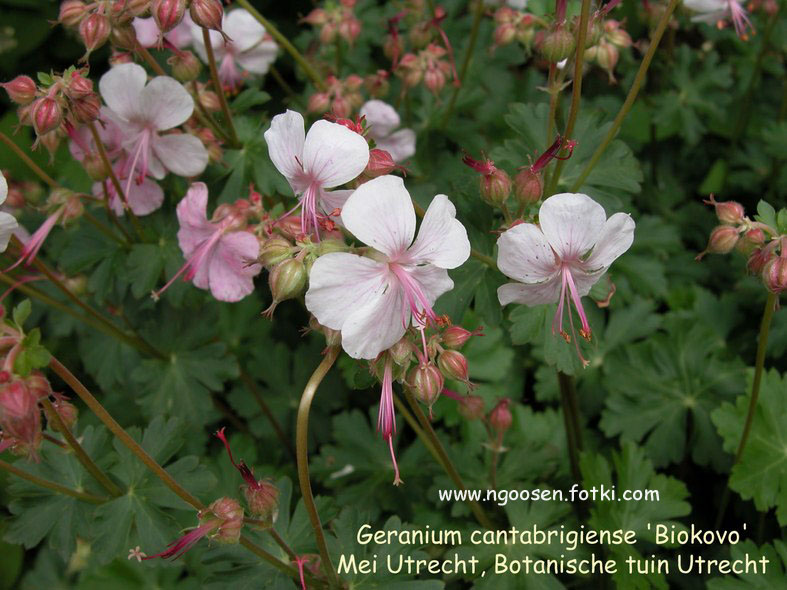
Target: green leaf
772, 577
181, 385
249, 98
661, 393
714, 180
33, 355
21, 313
633, 471
761, 473
766, 214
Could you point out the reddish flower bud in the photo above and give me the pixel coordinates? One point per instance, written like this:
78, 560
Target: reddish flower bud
728, 212
774, 275
434, 80
207, 13
496, 187
528, 186
124, 36
500, 417
471, 407
86, 109
722, 240
316, 17
20, 417
230, 513
453, 365
93, 164
209, 100
185, 66
504, 34
380, 163
21, 90
94, 31
72, 12
319, 103
168, 13
349, 29
607, 56
426, 383
377, 85
753, 238
67, 411
758, 259
557, 45
46, 115
402, 352
286, 280
274, 250
263, 500
38, 385
79, 86
456, 336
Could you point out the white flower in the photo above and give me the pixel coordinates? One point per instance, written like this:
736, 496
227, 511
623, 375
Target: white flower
382, 120
141, 110
7, 222
248, 50
373, 300
562, 258
714, 11
328, 156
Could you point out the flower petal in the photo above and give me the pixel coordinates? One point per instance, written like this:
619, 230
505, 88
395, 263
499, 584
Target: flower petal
144, 198
524, 254
536, 294
332, 200
375, 326
571, 223
193, 219
259, 59
442, 239
165, 103
230, 272
3, 188
400, 144
285, 139
181, 153
381, 215
616, 237
244, 30
333, 155
381, 117
120, 88
7, 226
147, 31
433, 280
340, 283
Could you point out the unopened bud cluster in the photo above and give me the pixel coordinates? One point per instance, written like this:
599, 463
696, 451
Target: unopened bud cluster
764, 245
606, 46
335, 21
514, 25
340, 97
429, 66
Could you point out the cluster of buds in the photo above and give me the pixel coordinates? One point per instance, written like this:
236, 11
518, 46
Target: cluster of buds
340, 97
428, 66
335, 21
102, 21
495, 183
377, 84
605, 51
57, 105
21, 192
514, 25
762, 244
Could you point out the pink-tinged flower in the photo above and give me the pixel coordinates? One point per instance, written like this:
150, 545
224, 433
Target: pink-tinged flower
560, 259
718, 11
383, 120
142, 110
373, 300
220, 256
328, 156
7, 222
248, 50
149, 34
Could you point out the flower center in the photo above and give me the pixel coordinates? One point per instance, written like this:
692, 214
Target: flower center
570, 294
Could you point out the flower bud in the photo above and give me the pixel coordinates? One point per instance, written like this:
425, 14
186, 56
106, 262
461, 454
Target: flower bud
607, 56
207, 13
401, 352
230, 512
557, 45
774, 275
471, 407
94, 31
434, 80
86, 109
426, 382
319, 103
728, 212
286, 280
353, 82
758, 259
21, 90
456, 336
341, 107
274, 250
209, 100
722, 240
46, 115
72, 12
380, 163
753, 238
504, 34
79, 87
124, 37
328, 33
185, 66
67, 411
377, 85
528, 187
453, 365
349, 29
500, 417
38, 385
317, 17
263, 500
20, 417
495, 187
94, 165
168, 13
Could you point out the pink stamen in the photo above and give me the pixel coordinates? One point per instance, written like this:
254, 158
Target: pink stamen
142, 151
386, 420
186, 542
568, 291
194, 262
32, 247
740, 19
585, 331
552, 152
300, 562
245, 470
416, 301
